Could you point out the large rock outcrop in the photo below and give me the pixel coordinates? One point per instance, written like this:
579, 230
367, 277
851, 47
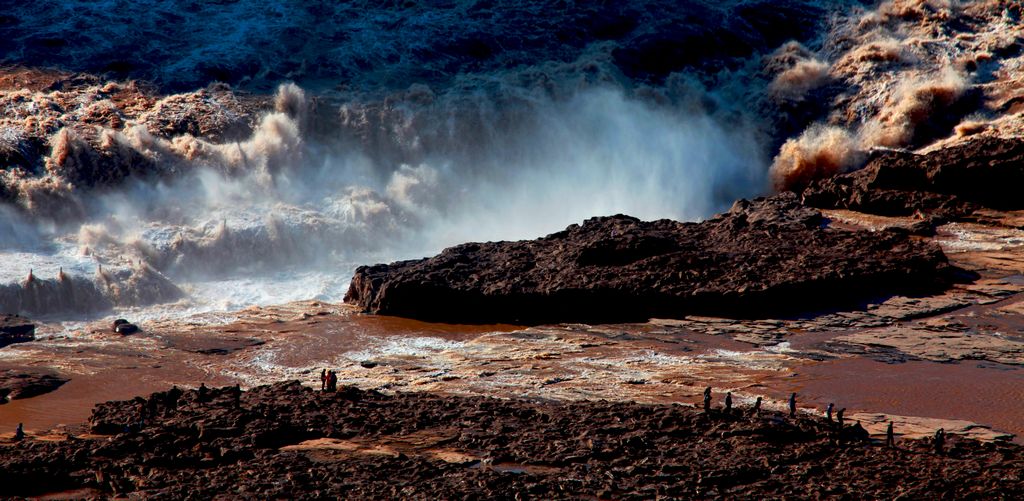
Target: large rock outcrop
766, 257
951, 181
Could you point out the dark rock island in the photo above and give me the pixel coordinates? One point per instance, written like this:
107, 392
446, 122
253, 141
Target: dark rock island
770, 256
26, 382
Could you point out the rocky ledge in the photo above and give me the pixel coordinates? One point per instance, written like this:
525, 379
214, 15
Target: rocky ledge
949, 182
770, 256
24, 382
15, 329
287, 441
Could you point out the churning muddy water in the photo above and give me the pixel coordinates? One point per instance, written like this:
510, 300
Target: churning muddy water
652, 362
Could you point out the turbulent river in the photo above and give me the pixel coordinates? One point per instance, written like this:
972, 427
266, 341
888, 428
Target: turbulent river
177, 163
385, 132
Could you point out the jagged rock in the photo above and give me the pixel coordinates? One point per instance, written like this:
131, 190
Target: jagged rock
950, 182
17, 383
767, 257
126, 329
15, 329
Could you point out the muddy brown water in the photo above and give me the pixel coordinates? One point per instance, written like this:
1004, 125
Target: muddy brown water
987, 393
122, 372
982, 392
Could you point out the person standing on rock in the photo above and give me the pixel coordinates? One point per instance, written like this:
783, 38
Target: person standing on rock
890, 437
792, 405
839, 417
20, 432
757, 406
940, 440
828, 412
323, 379
728, 402
332, 381
707, 399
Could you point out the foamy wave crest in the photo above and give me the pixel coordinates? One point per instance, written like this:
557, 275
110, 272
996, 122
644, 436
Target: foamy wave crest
910, 74
75, 295
322, 186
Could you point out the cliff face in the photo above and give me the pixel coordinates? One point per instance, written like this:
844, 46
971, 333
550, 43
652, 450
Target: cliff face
766, 257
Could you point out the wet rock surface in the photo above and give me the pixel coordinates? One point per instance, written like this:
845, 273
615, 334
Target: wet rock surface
211, 345
15, 329
949, 182
286, 440
767, 257
23, 382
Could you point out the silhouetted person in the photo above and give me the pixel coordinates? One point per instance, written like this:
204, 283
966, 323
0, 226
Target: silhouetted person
839, 417
332, 381
237, 392
707, 399
728, 402
323, 379
757, 406
792, 405
172, 396
20, 432
828, 412
940, 440
203, 390
890, 437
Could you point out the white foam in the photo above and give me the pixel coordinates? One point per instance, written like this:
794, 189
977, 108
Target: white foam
427, 347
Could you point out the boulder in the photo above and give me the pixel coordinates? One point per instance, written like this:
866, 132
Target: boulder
19, 382
15, 329
126, 329
765, 257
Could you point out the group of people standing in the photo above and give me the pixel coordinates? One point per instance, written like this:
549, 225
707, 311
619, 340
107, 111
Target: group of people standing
328, 380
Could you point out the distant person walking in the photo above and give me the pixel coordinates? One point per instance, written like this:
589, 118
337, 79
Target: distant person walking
323, 379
